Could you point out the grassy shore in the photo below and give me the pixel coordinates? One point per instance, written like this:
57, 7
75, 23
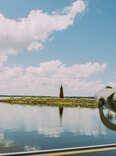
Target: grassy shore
53, 101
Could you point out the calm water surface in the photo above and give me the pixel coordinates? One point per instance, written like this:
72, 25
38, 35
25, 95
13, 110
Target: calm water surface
26, 128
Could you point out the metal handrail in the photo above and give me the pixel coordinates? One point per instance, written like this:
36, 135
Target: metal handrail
94, 148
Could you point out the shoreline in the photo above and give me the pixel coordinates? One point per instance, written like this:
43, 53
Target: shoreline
53, 101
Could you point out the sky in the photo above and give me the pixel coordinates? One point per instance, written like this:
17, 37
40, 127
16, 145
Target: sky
46, 43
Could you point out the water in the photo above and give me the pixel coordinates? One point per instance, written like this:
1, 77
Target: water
26, 128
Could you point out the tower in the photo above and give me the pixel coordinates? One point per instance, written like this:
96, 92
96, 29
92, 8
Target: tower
61, 95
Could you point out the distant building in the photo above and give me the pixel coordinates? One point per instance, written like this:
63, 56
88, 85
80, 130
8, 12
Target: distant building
61, 95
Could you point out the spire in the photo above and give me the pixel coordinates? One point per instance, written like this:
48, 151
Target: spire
61, 95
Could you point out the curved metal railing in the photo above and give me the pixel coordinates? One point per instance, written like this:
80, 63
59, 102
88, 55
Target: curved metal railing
66, 151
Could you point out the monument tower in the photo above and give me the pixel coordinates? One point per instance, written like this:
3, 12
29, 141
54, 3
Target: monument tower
61, 95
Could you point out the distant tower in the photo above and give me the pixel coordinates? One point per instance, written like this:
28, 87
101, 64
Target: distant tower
61, 95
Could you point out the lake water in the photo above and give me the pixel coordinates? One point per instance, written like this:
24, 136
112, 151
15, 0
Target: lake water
27, 128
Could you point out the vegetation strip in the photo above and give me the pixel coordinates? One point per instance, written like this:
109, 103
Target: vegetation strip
53, 101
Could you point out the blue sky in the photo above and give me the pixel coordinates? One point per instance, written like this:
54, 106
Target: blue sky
89, 38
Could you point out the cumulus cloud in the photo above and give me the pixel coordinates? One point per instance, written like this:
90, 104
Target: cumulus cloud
31, 32
46, 79
2, 59
35, 46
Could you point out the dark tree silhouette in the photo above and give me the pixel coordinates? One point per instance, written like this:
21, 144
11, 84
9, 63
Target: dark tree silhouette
108, 87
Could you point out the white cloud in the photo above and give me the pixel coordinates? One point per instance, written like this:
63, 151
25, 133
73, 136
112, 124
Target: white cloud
2, 59
35, 46
30, 33
47, 78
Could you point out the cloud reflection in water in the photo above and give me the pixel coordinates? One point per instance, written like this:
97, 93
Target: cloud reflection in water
46, 120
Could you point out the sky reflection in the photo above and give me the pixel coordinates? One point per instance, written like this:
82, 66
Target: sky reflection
46, 120
25, 128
